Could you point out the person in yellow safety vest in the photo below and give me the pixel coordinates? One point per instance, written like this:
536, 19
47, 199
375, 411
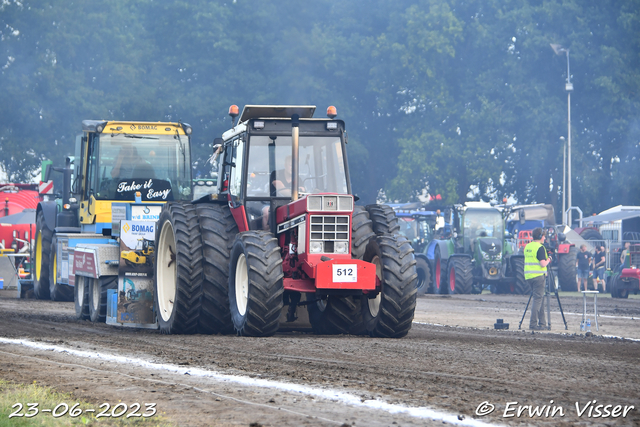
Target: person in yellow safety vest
535, 268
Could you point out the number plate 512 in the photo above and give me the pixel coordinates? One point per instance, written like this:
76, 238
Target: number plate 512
345, 272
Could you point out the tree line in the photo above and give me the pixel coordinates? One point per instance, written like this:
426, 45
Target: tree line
465, 99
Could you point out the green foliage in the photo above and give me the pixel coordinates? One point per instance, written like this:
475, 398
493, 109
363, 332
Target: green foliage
460, 98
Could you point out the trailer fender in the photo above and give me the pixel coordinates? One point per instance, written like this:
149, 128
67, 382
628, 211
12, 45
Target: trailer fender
96, 261
49, 211
443, 245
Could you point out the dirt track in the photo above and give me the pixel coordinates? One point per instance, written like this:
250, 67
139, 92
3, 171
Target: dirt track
451, 369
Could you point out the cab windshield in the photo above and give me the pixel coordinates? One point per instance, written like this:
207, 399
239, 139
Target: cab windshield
321, 166
157, 166
483, 223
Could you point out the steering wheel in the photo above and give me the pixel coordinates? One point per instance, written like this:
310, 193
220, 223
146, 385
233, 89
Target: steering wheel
313, 177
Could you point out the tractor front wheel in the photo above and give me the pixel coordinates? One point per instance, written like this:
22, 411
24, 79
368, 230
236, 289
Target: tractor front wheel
460, 275
335, 315
178, 294
255, 284
390, 313
423, 283
42, 258
438, 274
218, 230
361, 231
521, 287
383, 219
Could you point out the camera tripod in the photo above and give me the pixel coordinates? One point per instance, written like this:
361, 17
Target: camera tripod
550, 283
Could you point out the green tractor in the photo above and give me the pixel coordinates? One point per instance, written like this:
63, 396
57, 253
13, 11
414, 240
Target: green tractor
476, 254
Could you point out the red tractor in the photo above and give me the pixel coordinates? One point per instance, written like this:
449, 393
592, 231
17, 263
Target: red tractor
282, 232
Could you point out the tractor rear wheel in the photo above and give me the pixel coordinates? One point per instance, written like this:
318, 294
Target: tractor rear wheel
98, 297
384, 219
361, 231
335, 315
460, 275
423, 283
567, 270
617, 287
255, 284
390, 313
42, 258
521, 287
591, 234
218, 230
81, 297
57, 291
178, 293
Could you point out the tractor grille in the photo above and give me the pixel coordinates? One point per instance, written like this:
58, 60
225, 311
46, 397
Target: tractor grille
329, 230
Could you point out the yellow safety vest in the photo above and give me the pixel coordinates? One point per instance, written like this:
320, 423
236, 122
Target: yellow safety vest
532, 267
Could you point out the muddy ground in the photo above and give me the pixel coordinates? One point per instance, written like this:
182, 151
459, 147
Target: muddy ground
452, 362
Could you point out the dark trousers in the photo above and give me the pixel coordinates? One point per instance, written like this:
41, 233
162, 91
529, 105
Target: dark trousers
537, 308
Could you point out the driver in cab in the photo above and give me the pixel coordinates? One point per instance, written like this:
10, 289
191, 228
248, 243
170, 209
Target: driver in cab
130, 165
283, 179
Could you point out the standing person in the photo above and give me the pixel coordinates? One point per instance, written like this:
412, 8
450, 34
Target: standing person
583, 262
625, 252
599, 261
535, 269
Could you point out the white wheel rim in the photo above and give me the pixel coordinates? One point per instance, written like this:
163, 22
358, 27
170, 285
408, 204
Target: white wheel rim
95, 295
374, 304
242, 285
80, 291
167, 271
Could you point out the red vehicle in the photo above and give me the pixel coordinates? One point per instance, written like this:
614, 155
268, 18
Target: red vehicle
282, 233
15, 233
627, 280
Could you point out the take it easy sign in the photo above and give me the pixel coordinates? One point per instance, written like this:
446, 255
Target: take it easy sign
150, 189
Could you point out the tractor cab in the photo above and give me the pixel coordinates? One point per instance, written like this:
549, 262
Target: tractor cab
117, 161
276, 156
484, 233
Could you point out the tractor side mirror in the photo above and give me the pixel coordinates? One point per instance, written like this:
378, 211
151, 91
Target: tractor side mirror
47, 172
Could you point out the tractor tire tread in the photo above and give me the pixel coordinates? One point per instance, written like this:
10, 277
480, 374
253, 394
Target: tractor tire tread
218, 230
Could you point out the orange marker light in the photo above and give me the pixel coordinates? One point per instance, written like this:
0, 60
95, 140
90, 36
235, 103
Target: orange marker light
332, 112
233, 111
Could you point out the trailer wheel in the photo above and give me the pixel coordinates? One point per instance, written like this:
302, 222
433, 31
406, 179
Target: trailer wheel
177, 292
361, 231
98, 297
42, 256
81, 297
390, 313
218, 230
423, 283
567, 270
384, 219
57, 291
521, 287
460, 275
255, 284
335, 315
